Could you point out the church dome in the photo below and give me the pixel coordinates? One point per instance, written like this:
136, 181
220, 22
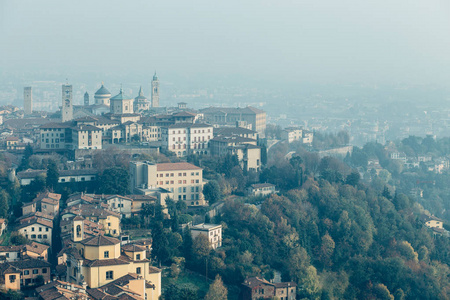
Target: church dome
102, 91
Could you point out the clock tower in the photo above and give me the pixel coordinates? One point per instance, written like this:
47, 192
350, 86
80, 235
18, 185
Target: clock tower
67, 106
155, 91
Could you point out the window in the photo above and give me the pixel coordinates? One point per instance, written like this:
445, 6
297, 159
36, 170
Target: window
109, 275
35, 271
32, 228
138, 270
106, 254
46, 229
40, 236
138, 257
45, 236
12, 278
44, 270
26, 272
33, 236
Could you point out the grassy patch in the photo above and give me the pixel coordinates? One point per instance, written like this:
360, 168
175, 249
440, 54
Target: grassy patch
195, 279
5, 238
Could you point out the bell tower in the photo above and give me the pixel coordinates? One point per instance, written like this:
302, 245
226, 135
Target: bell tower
67, 105
86, 99
155, 91
78, 229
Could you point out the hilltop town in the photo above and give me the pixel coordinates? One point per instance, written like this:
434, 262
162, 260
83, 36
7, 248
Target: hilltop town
123, 197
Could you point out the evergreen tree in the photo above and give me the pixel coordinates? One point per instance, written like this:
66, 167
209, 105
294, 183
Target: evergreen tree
114, 181
52, 175
217, 291
4, 206
211, 190
25, 163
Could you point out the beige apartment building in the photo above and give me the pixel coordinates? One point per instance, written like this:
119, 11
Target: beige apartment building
86, 137
183, 180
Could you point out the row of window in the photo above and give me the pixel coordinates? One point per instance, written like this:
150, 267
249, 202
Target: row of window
179, 174
39, 236
56, 134
179, 182
195, 131
53, 140
35, 271
40, 229
193, 197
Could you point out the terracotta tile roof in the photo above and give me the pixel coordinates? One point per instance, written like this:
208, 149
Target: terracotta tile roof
11, 248
100, 241
34, 221
104, 262
8, 268
176, 167
31, 263
37, 248
152, 270
133, 248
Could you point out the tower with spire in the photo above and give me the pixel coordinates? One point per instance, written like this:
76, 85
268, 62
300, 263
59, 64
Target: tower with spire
155, 91
67, 105
141, 103
86, 99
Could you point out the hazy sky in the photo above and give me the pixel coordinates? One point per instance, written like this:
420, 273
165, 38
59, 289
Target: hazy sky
316, 40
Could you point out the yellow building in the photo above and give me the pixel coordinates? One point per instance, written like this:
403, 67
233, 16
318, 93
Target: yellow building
100, 260
109, 220
433, 222
9, 277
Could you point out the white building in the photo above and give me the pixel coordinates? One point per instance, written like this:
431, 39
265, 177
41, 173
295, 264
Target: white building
187, 138
212, 231
38, 230
184, 180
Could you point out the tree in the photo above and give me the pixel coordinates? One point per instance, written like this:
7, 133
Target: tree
4, 206
211, 190
217, 291
52, 175
25, 163
353, 178
39, 280
18, 239
263, 155
200, 247
114, 181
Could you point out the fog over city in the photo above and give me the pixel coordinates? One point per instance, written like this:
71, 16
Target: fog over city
224, 150
277, 41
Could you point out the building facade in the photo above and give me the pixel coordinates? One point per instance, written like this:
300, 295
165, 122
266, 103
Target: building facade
155, 91
212, 231
183, 180
67, 104
28, 100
